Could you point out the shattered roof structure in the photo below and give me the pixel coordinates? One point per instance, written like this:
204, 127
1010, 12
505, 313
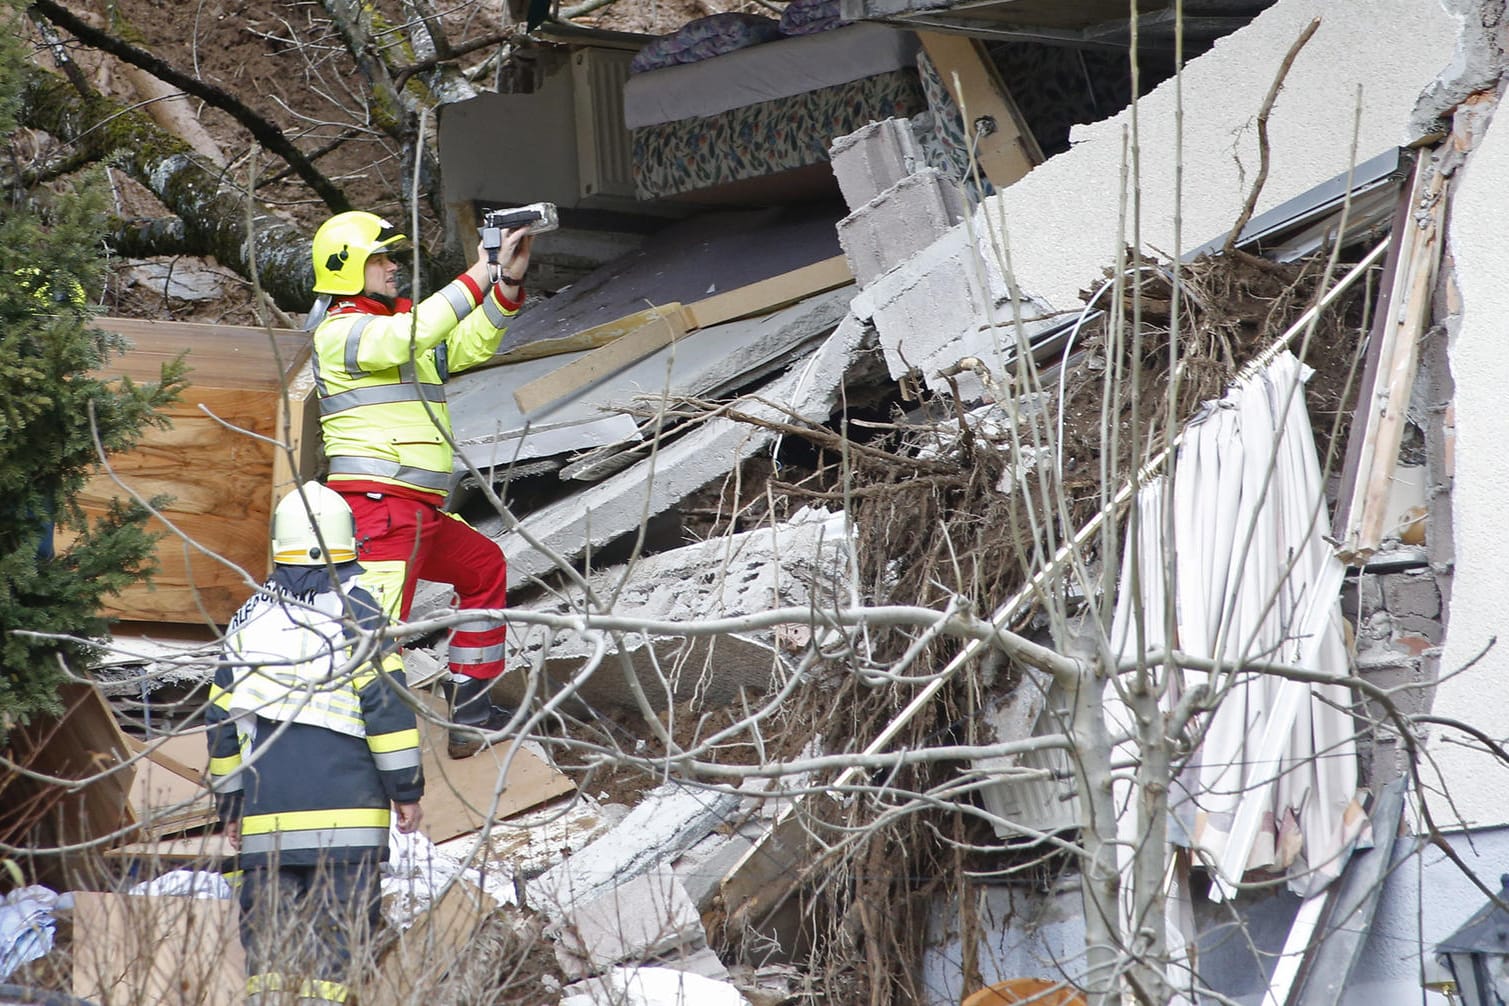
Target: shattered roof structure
864, 528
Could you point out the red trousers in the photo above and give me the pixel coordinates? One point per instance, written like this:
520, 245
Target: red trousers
401, 541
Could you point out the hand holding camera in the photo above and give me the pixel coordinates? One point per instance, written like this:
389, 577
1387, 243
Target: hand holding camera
513, 229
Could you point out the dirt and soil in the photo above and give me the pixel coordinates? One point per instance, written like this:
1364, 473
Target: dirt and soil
287, 63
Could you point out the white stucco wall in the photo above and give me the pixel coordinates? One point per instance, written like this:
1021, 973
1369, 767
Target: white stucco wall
1478, 622
1061, 220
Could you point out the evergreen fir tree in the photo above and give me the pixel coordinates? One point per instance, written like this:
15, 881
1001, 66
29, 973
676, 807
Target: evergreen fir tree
52, 410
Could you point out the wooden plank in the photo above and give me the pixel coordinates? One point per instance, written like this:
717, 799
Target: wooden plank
204, 852
228, 356
459, 793
219, 481
1008, 152
167, 796
298, 426
587, 339
769, 294
85, 742
413, 968
661, 330
172, 951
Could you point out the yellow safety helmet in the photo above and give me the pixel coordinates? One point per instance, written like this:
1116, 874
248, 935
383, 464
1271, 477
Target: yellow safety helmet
341, 248
298, 541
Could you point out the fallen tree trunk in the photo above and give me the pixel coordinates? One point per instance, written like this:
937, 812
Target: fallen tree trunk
213, 211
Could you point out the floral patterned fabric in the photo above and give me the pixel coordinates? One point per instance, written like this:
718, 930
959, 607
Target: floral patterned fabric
940, 132
705, 38
762, 139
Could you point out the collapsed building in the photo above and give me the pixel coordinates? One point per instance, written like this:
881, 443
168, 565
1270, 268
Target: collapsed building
882, 315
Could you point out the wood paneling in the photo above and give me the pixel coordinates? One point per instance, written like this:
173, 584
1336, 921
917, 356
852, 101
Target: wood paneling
218, 462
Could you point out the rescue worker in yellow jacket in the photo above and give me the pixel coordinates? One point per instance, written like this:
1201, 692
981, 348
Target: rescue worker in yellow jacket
312, 750
381, 367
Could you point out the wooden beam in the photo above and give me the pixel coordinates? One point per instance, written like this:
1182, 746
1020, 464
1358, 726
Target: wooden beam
1009, 151
769, 294
660, 330
587, 339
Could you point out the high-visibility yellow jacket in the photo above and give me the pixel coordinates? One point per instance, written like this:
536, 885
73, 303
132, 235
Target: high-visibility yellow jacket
309, 747
381, 371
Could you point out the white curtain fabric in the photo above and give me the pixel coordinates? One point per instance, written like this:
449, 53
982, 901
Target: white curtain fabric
1273, 784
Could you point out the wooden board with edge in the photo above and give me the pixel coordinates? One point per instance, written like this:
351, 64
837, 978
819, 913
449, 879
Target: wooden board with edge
458, 793
223, 482
653, 333
85, 742
167, 796
587, 339
1008, 152
638, 335
428, 949
769, 294
173, 951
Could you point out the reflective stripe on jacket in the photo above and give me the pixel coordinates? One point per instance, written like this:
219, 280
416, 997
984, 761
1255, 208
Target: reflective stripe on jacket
381, 377
310, 754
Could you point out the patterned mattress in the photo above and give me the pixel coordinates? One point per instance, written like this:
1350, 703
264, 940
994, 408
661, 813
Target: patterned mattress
765, 138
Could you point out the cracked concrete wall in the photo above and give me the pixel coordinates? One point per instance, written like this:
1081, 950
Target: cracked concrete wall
1062, 219
1475, 660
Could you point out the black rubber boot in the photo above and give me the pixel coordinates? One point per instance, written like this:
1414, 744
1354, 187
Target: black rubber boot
470, 706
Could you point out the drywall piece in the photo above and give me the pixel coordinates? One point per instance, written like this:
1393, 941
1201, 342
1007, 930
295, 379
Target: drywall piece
652, 986
615, 507
529, 844
660, 328
667, 821
933, 311
1475, 662
1004, 146
889, 229
1063, 219
462, 795
648, 916
871, 159
702, 962
491, 430
800, 562
130, 949
769, 294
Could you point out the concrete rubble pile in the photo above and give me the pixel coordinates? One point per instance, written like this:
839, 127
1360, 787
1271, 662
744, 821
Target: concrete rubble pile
625, 896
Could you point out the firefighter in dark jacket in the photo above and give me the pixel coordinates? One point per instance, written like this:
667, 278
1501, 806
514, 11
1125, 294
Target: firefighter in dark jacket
310, 747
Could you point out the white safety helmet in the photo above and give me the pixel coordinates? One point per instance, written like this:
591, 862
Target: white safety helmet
296, 541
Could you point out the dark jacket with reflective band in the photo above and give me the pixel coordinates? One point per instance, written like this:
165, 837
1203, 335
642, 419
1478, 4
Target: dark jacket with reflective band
307, 794
381, 376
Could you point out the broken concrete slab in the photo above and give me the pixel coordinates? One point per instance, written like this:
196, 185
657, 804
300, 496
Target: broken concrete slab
871, 159
800, 562
616, 506
888, 230
1075, 197
935, 310
667, 821
646, 917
